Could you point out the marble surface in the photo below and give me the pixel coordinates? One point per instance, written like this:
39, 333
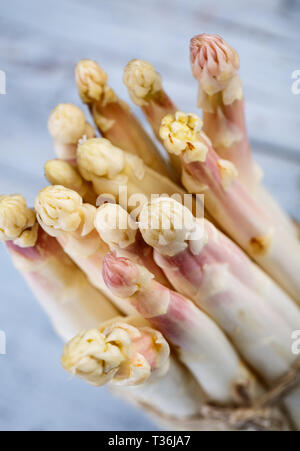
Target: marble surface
40, 42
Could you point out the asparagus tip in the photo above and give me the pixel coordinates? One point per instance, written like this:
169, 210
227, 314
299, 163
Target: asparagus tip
59, 172
91, 83
66, 123
106, 355
167, 225
61, 209
180, 135
115, 226
97, 156
142, 81
123, 277
214, 65
89, 357
211, 56
17, 221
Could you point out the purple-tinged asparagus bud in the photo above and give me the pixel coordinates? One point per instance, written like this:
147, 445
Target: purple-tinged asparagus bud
215, 65
124, 277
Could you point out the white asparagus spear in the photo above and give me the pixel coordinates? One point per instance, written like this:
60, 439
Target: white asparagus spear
67, 125
62, 214
228, 201
215, 66
183, 245
64, 292
260, 328
113, 116
201, 345
220, 95
120, 232
122, 175
145, 88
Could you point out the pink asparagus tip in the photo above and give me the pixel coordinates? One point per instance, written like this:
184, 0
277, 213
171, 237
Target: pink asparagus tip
120, 275
212, 56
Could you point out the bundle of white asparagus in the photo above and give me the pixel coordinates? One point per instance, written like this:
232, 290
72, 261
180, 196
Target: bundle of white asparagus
172, 278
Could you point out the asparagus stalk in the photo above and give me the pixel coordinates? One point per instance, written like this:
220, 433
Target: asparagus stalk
62, 214
120, 232
192, 257
122, 175
220, 95
186, 247
64, 292
215, 66
201, 345
113, 117
174, 394
229, 202
67, 125
145, 88
59, 172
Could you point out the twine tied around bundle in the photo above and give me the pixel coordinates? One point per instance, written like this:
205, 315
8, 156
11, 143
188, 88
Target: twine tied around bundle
261, 415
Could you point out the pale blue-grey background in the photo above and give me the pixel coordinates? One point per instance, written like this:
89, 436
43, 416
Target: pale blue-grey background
40, 42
